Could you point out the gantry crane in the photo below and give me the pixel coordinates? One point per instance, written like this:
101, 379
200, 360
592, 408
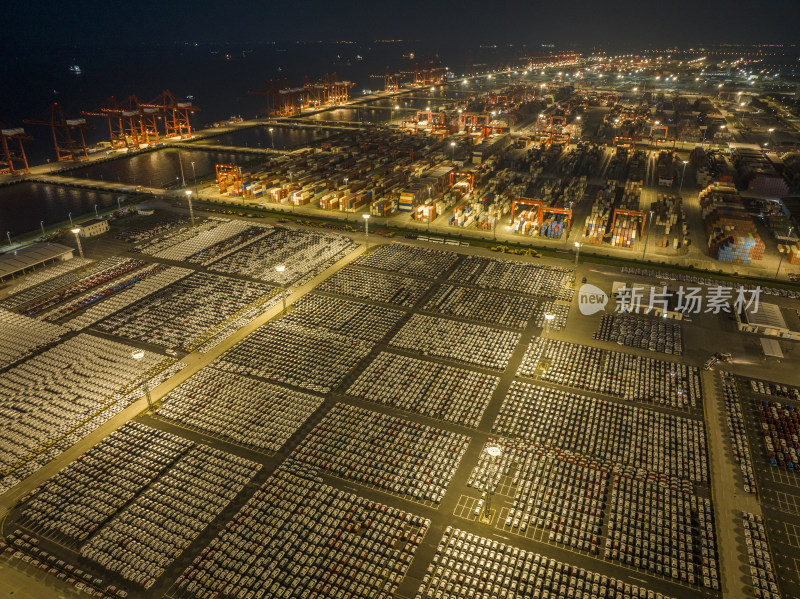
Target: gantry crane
176, 114
126, 123
430, 73
329, 90
272, 91
432, 118
229, 179
531, 203
391, 81
473, 120
66, 147
13, 160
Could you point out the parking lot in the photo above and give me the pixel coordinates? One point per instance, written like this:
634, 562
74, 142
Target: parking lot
778, 486
356, 428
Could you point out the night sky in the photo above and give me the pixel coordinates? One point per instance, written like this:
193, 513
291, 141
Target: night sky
580, 24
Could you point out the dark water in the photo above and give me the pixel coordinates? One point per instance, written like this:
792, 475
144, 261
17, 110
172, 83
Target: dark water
24, 205
281, 138
161, 168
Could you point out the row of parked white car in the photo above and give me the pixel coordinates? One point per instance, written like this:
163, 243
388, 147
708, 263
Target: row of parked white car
664, 530
304, 254
436, 390
51, 400
48, 281
460, 341
759, 555
736, 427
86, 494
347, 318
180, 314
409, 260
377, 286
631, 377
91, 282
548, 489
468, 566
313, 359
186, 243
141, 232
621, 433
393, 454
239, 409
23, 336
95, 312
229, 245
297, 537
151, 531
521, 277
492, 307
43, 275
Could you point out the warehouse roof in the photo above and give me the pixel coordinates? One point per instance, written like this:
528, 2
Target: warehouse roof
771, 347
15, 261
765, 315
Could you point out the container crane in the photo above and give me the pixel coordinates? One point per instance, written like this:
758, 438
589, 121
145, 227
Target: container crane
62, 128
391, 81
272, 91
229, 179
125, 123
13, 161
176, 114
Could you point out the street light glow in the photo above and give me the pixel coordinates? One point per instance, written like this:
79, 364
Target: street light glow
280, 268
138, 354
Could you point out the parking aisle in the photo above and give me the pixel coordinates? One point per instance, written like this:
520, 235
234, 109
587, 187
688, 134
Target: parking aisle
729, 499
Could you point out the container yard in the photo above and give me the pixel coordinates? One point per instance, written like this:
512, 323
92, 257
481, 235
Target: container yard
669, 222
732, 234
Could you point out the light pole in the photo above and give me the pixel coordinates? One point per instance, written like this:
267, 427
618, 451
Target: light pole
453, 153
70, 219
41, 224
271, 137
8, 234
138, 355
191, 210
396, 109
548, 319
119, 205
194, 175
494, 452
647, 236
282, 269
78, 241
366, 231
180, 162
96, 213
777, 272
685, 162
577, 252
